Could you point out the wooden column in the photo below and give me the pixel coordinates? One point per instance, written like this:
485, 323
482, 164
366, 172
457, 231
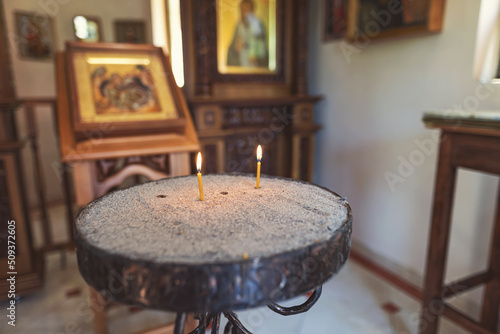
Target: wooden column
300, 24
202, 45
98, 304
83, 177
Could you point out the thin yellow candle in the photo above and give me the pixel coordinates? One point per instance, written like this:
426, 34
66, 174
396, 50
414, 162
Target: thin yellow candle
200, 183
259, 157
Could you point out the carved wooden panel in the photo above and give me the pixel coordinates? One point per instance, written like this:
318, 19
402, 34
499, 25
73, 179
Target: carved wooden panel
210, 164
305, 151
241, 154
303, 114
245, 116
208, 117
285, 129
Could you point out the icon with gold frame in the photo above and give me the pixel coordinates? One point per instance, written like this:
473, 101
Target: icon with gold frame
127, 89
246, 36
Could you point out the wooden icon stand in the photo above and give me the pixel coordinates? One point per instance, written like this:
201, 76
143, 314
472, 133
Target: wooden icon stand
100, 161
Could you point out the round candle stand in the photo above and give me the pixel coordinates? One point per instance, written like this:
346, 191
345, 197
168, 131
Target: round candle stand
115, 261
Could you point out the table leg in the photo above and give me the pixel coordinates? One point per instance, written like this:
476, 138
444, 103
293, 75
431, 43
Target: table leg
438, 238
491, 301
98, 304
216, 324
229, 328
202, 324
180, 322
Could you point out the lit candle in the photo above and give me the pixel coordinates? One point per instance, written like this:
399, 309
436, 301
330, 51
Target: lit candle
200, 184
259, 157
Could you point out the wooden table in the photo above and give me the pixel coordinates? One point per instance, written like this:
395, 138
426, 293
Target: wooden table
472, 141
158, 266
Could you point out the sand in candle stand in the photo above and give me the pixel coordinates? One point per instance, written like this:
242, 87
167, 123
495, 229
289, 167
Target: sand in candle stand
165, 221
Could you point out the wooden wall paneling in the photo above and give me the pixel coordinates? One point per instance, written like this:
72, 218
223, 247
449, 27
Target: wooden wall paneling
208, 117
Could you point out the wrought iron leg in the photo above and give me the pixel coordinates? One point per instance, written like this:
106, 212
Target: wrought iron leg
180, 323
229, 328
234, 325
203, 324
216, 324
300, 308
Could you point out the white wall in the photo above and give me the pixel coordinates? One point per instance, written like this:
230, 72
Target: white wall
372, 117
37, 78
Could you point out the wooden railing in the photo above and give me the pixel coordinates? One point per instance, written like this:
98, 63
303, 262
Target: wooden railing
29, 105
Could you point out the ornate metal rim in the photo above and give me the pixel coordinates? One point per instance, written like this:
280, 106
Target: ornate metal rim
214, 287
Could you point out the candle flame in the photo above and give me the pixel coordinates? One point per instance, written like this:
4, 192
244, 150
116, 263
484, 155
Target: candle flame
259, 153
198, 162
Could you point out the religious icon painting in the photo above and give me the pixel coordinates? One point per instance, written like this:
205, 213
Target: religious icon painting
130, 89
35, 36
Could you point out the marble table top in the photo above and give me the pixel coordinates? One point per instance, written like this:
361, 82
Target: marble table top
461, 119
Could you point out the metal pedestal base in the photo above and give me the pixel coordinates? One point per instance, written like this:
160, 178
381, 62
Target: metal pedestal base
234, 326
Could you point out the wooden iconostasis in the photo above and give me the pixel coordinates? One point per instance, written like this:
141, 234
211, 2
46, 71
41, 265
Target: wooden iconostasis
246, 84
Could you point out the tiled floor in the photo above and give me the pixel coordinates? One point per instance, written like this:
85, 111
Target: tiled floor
352, 302
355, 301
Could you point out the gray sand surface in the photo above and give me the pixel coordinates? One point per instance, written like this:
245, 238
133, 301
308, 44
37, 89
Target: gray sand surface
164, 221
